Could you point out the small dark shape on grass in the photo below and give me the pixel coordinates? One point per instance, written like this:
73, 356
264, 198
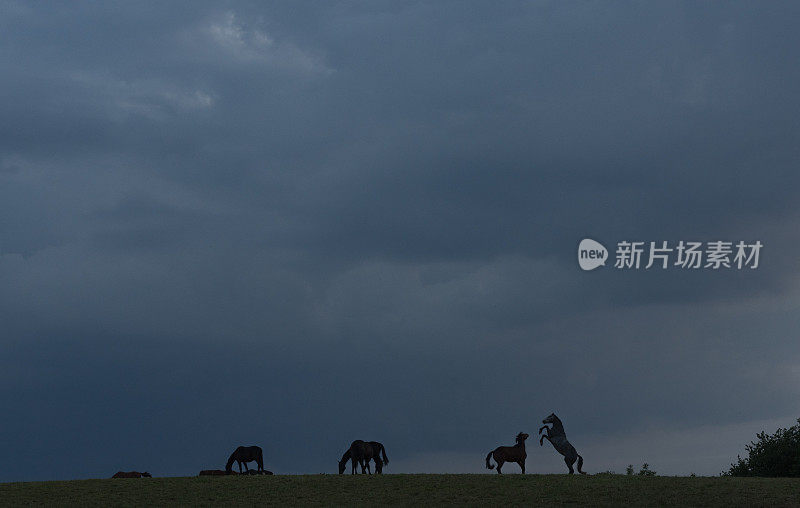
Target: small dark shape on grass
215, 472
257, 472
131, 474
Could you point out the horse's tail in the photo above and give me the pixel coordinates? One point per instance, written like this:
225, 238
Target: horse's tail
580, 465
229, 464
489, 465
383, 452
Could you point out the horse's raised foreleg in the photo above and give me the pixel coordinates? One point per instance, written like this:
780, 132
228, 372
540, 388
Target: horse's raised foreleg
541, 440
544, 427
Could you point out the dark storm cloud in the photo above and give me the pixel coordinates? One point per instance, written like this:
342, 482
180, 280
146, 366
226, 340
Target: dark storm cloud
233, 223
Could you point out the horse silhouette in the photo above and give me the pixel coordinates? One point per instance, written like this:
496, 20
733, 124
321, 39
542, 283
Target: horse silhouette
243, 455
503, 454
360, 453
131, 474
558, 438
355, 454
377, 450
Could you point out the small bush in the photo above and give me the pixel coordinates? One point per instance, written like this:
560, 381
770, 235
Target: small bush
645, 470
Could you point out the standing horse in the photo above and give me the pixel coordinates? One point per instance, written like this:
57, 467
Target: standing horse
503, 454
245, 454
361, 452
558, 438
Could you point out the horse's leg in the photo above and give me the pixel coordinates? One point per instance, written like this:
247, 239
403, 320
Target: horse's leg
499, 465
240, 466
541, 440
522, 465
569, 464
544, 427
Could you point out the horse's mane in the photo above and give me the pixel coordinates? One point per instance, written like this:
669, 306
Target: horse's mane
558, 426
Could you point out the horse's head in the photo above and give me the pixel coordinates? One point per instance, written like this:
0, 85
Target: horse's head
550, 419
146, 475
521, 437
342, 465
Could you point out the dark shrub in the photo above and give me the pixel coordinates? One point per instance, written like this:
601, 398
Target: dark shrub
646, 471
771, 455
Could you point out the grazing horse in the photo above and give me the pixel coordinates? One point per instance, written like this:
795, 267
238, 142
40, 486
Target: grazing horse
355, 454
245, 454
558, 438
515, 453
361, 452
131, 474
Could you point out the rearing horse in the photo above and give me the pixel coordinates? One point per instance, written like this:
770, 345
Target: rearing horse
558, 438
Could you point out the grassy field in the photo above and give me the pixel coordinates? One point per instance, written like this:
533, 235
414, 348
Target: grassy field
598, 490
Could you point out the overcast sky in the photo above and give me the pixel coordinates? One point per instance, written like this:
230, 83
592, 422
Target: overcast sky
298, 224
